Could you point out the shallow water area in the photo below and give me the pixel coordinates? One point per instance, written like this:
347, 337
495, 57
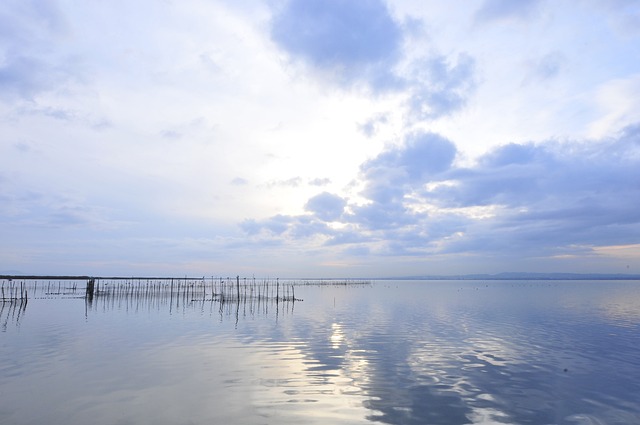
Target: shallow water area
396, 352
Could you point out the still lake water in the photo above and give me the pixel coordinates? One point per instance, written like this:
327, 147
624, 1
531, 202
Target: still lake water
396, 352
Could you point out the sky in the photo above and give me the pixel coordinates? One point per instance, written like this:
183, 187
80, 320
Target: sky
319, 138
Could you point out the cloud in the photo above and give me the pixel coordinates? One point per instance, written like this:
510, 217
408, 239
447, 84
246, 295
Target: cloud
545, 67
385, 223
71, 216
518, 199
319, 181
360, 44
326, 206
370, 127
422, 155
275, 225
239, 181
624, 16
343, 38
282, 229
619, 103
31, 209
439, 85
22, 147
292, 182
505, 9
22, 76
28, 67
171, 134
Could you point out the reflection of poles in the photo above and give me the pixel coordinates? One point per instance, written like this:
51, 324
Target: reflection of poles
90, 289
21, 308
4, 325
237, 312
171, 298
14, 310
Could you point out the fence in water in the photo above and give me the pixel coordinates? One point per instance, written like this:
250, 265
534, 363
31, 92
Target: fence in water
14, 297
227, 296
223, 290
12, 291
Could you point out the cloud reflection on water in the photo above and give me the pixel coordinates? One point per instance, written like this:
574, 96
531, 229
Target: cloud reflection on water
502, 353
397, 353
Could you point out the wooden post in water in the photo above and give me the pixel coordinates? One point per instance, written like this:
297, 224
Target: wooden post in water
238, 287
90, 288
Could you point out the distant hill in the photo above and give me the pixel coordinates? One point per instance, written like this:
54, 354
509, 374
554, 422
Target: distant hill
527, 276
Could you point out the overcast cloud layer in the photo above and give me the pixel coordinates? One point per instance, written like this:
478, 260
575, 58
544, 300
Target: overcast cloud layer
319, 137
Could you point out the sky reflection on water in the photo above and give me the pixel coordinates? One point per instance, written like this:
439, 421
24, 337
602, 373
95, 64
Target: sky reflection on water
394, 352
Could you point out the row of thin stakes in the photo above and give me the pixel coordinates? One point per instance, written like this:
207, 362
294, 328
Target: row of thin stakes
14, 292
219, 289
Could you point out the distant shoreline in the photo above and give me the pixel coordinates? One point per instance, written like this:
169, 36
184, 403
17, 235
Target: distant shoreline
500, 276
526, 276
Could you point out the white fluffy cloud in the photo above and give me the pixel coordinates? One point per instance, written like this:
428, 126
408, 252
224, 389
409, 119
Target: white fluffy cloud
535, 200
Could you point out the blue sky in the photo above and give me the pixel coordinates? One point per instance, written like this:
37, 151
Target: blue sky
319, 138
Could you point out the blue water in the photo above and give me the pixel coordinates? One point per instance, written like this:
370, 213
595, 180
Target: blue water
396, 352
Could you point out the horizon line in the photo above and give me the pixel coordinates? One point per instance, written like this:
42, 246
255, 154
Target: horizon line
467, 276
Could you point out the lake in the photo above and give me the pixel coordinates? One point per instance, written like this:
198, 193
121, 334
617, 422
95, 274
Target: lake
395, 352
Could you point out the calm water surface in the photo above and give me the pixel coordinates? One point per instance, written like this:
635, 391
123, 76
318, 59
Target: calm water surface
396, 352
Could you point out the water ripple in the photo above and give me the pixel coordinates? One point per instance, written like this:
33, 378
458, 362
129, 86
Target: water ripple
454, 353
